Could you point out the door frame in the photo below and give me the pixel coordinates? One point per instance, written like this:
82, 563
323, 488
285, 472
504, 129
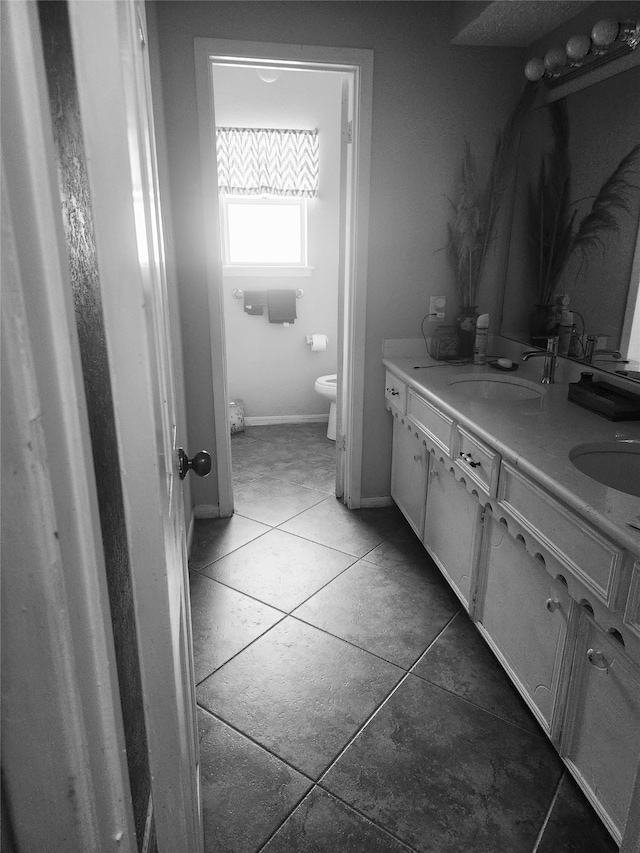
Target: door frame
358, 65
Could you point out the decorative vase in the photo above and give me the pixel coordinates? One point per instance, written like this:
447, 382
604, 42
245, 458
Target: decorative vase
540, 324
466, 328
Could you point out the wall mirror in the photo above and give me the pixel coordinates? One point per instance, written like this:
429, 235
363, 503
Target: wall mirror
602, 283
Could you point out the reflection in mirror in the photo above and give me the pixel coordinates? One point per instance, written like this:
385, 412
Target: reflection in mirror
578, 185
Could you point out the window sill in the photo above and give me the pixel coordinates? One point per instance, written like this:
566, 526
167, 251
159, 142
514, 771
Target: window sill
266, 272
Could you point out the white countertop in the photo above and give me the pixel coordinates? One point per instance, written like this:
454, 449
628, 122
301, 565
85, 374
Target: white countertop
535, 436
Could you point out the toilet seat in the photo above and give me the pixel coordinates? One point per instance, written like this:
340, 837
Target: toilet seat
327, 386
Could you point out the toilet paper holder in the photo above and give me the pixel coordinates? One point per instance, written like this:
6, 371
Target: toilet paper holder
318, 343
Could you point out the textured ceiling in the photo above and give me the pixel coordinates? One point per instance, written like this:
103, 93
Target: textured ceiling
516, 23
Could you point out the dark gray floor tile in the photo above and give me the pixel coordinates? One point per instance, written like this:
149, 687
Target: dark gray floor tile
215, 537
573, 826
299, 692
353, 531
280, 569
224, 622
461, 661
262, 455
401, 549
246, 792
272, 501
312, 436
315, 474
322, 824
241, 476
394, 613
445, 776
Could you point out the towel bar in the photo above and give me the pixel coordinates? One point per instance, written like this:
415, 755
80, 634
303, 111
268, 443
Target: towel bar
238, 294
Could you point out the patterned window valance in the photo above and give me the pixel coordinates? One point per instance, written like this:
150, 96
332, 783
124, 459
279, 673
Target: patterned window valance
266, 161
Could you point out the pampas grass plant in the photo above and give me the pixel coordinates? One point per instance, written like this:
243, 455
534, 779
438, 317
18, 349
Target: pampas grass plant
553, 217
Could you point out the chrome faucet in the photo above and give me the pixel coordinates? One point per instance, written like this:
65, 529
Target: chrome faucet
550, 358
590, 351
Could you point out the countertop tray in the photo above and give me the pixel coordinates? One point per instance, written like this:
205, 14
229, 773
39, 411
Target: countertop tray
607, 400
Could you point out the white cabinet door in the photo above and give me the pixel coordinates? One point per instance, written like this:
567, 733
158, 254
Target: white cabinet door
452, 530
524, 615
603, 732
409, 463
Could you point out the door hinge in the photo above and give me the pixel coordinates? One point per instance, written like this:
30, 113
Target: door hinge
341, 443
349, 132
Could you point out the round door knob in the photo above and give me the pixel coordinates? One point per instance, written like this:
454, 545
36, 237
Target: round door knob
200, 464
553, 604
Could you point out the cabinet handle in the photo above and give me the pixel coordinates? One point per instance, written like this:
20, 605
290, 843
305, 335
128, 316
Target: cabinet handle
598, 660
552, 604
466, 457
417, 457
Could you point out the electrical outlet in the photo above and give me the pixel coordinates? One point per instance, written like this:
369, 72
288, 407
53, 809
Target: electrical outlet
437, 305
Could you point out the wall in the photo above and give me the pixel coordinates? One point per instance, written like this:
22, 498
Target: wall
288, 369
78, 227
427, 97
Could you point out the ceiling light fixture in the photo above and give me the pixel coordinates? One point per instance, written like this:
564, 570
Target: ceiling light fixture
608, 40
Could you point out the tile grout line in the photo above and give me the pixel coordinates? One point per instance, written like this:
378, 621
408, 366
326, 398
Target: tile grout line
378, 826
257, 743
547, 817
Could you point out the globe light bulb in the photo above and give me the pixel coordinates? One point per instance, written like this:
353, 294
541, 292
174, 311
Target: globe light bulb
555, 60
534, 69
577, 48
604, 34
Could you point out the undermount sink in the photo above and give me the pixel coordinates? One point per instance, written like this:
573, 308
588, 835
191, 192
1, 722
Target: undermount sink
613, 463
487, 386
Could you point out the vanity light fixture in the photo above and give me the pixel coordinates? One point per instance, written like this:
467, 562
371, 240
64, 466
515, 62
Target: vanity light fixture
608, 40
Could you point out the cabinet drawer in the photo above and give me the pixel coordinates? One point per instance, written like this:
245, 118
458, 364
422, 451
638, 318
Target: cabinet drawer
592, 558
396, 392
436, 425
479, 462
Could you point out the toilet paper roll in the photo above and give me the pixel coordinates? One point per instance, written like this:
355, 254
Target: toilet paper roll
319, 343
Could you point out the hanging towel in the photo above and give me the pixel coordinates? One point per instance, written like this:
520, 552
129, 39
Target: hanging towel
254, 301
282, 306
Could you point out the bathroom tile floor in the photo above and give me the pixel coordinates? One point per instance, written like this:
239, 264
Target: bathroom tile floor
346, 702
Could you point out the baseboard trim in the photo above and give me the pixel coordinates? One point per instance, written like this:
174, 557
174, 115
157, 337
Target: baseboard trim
206, 511
286, 419
372, 503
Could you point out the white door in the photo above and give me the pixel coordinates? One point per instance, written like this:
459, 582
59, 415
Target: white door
112, 69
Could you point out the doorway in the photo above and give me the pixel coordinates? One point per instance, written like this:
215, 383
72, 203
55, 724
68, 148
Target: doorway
355, 68
280, 133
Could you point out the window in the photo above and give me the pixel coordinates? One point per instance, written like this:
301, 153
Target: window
264, 232
265, 177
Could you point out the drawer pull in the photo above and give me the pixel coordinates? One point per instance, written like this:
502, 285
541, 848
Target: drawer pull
552, 604
466, 457
598, 660
417, 457
393, 392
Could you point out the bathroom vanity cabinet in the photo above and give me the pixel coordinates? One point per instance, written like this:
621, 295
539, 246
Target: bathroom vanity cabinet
541, 557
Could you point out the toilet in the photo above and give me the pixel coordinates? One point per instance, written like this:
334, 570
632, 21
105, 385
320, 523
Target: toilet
327, 386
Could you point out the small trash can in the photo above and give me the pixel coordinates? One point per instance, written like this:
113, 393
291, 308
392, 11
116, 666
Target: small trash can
236, 416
